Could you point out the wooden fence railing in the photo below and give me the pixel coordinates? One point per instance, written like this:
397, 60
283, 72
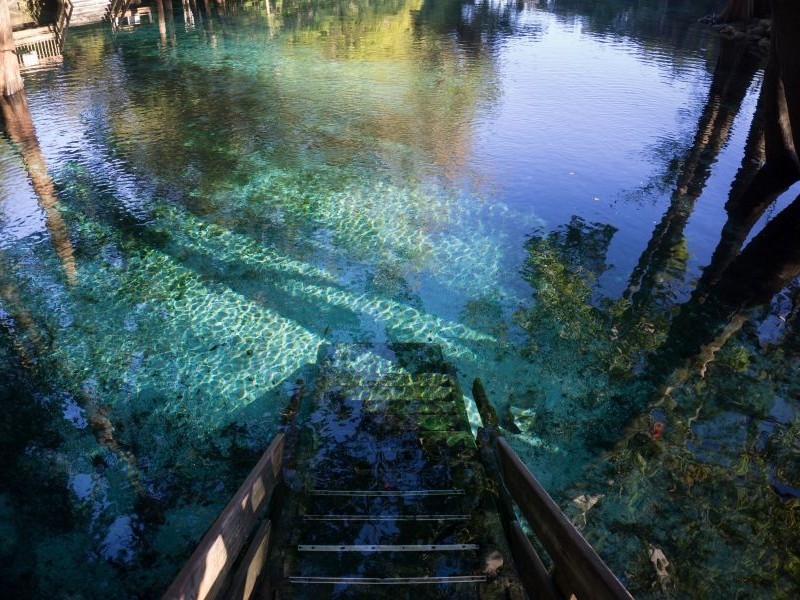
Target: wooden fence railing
36, 47
40, 46
578, 570
224, 565
116, 9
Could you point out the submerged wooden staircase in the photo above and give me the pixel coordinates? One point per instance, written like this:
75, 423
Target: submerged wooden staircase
379, 491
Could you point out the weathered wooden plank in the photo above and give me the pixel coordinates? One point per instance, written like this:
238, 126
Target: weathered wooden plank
535, 578
587, 574
203, 577
253, 563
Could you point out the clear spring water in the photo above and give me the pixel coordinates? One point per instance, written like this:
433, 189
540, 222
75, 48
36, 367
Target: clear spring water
252, 181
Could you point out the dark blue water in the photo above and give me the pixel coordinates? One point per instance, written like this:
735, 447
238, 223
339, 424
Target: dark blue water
536, 187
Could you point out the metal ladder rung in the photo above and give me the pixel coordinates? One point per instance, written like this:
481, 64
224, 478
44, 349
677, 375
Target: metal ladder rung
385, 547
386, 517
390, 580
387, 492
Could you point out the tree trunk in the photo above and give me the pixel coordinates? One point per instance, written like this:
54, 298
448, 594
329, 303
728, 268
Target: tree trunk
768, 264
742, 10
10, 78
786, 46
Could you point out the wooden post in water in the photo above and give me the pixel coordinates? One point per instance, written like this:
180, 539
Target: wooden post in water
10, 78
162, 22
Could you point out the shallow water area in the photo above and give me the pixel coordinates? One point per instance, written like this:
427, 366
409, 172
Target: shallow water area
538, 188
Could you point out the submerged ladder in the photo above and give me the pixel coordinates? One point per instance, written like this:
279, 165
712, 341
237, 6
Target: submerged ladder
381, 491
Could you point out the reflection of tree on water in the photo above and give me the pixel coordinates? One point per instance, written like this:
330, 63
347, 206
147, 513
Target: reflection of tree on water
19, 127
770, 261
707, 469
732, 76
768, 264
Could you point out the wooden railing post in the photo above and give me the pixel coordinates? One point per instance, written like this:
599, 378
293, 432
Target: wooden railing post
485, 408
532, 572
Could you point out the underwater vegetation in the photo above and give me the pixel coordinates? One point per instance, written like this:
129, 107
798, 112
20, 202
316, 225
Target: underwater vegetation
706, 473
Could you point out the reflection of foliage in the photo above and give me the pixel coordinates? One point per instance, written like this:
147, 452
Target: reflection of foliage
562, 296
474, 24
361, 90
719, 493
584, 245
352, 29
562, 275
562, 268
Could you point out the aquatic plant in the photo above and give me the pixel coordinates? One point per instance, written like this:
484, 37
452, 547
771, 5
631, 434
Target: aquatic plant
703, 474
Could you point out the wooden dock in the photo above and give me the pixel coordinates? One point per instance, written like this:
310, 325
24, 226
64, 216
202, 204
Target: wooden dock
377, 489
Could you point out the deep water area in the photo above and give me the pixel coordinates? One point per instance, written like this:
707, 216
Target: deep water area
537, 187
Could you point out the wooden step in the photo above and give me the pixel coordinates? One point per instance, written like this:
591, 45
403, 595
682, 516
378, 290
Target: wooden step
396, 476
421, 560
453, 587
442, 529
432, 570
408, 506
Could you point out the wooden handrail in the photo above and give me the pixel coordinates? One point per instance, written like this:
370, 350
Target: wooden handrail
579, 571
205, 574
582, 571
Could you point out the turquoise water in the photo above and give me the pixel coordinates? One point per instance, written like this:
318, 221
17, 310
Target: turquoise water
535, 187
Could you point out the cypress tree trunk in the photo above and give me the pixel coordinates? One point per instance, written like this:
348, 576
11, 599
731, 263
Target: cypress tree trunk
10, 79
786, 45
742, 10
